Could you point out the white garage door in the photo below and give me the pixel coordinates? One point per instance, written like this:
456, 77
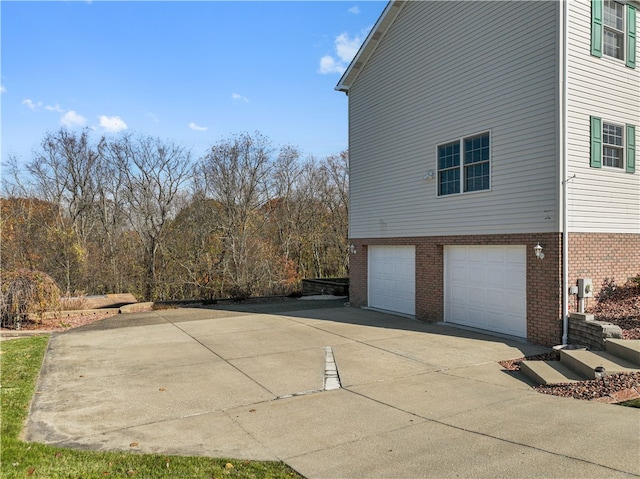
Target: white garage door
485, 287
392, 278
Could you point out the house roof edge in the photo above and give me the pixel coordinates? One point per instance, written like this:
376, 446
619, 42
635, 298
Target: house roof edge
374, 37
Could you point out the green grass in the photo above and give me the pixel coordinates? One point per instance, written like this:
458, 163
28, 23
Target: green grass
631, 403
20, 361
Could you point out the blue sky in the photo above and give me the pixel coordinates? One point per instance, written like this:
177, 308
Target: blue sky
191, 72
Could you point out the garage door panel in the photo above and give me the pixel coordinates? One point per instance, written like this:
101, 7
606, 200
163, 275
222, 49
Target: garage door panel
459, 274
474, 294
485, 287
458, 254
515, 256
495, 276
460, 311
514, 300
402, 271
392, 278
494, 256
475, 272
494, 299
515, 277
459, 295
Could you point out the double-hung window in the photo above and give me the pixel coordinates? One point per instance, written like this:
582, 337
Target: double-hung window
613, 145
613, 30
464, 165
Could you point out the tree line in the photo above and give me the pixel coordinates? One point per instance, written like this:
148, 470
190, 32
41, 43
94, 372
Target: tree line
139, 214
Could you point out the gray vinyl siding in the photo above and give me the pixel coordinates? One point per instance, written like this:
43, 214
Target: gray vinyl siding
445, 70
601, 200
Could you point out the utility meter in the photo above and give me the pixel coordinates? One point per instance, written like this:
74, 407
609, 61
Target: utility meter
585, 288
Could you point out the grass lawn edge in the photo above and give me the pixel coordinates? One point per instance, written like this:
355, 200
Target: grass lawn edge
20, 364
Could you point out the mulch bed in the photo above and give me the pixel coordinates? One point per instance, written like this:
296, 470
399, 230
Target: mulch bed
60, 324
614, 388
620, 305
514, 364
617, 387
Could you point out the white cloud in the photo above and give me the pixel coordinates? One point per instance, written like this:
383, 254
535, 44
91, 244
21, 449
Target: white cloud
3, 89
345, 48
32, 106
36, 106
153, 117
328, 64
195, 127
355, 10
112, 124
54, 108
238, 97
71, 118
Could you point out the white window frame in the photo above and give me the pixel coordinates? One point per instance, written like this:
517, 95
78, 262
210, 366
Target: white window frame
621, 147
607, 28
462, 167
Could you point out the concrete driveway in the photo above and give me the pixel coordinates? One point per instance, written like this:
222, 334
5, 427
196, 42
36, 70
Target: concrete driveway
416, 400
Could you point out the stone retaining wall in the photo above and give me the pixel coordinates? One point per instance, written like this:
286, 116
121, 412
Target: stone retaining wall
586, 331
334, 286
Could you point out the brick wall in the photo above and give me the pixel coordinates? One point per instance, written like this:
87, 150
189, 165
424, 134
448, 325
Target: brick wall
358, 276
602, 255
544, 277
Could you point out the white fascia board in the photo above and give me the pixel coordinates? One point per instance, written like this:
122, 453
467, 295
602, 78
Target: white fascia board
387, 17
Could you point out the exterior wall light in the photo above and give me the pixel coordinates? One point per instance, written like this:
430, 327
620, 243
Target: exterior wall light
537, 249
352, 248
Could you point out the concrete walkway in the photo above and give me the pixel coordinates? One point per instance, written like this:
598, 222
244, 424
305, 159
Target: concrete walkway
416, 400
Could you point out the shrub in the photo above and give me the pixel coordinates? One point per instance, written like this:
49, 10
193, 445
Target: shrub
75, 302
607, 289
25, 294
238, 293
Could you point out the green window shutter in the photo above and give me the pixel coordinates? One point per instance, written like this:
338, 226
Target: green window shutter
596, 142
631, 36
631, 148
596, 28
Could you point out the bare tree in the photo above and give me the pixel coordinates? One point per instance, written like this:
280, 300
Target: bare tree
335, 195
285, 209
24, 225
64, 172
112, 220
153, 174
194, 249
117, 215
235, 174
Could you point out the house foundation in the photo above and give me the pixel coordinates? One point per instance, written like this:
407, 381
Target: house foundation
597, 256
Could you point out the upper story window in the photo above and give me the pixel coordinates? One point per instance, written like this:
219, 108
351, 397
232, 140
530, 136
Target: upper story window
613, 34
613, 145
464, 165
613, 30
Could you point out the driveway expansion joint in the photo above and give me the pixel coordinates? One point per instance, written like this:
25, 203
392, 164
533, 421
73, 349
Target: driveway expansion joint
331, 377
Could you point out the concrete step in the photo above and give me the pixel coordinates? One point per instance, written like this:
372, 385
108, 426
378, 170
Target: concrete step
627, 349
549, 372
584, 362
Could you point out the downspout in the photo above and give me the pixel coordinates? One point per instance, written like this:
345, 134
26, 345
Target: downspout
565, 173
